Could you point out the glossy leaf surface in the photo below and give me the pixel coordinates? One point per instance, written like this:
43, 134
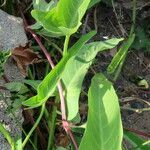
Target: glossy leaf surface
104, 128
64, 19
76, 70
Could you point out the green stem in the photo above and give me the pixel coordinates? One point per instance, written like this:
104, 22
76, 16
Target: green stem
47, 117
7, 136
34, 127
133, 18
66, 44
52, 127
34, 147
47, 70
30, 74
35, 139
119, 69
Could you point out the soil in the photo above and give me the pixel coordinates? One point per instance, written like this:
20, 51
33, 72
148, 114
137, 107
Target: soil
135, 68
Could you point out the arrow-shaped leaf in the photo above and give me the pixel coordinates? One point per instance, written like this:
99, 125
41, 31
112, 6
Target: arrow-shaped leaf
104, 128
48, 85
64, 19
76, 70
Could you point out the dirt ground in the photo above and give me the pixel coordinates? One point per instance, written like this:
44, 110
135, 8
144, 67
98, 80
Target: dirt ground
135, 68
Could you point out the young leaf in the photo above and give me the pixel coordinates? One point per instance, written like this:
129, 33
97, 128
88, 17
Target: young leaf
48, 85
120, 54
76, 69
43, 5
64, 19
104, 128
16, 87
136, 141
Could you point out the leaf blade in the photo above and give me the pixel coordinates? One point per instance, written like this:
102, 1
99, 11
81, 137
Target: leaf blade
136, 141
104, 128
76, 69
64, 19
48, 85
120, 55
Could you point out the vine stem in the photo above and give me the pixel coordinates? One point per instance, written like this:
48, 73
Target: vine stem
66, 44
65, 123
34, 126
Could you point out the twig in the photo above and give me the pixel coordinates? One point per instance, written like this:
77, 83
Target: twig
119, 23
135, 110
116, 30
65, 123
5, 78
85, 24
95, 19
145, 92
130, 99
137, 132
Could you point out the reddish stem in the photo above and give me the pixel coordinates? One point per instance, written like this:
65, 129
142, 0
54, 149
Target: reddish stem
60, 89
137, 132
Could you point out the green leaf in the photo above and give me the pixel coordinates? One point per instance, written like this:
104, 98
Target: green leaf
61, 148
136, 141
142, 40
64, 19
43, 5
104, 128
120, 54
16, 87
48, 85
4, 55
7, 136
76, 69
33, 83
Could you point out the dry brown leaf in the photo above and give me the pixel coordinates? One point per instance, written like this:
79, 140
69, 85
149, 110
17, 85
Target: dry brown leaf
24, 56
